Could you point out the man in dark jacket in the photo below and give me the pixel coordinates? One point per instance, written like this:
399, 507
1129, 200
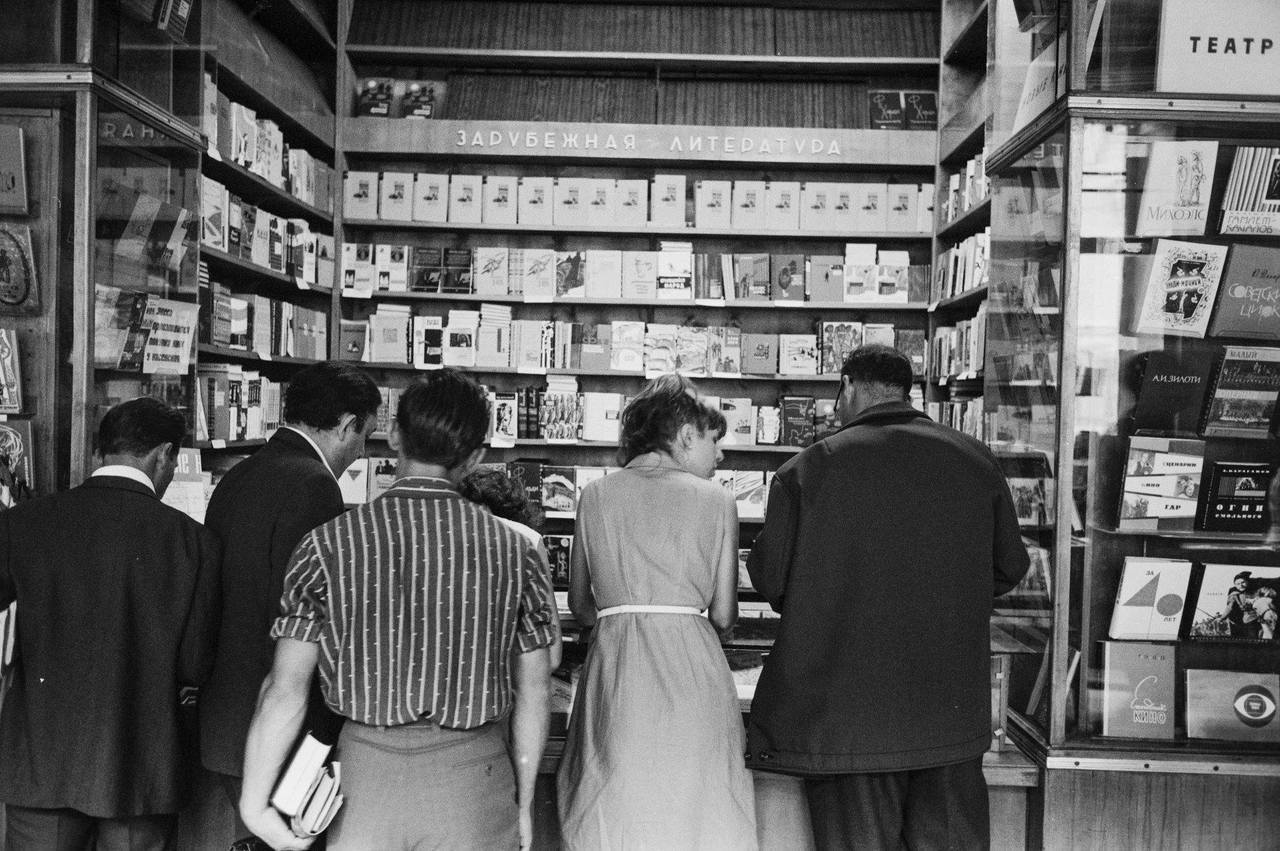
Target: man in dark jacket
118, 599
261, 509
883, 548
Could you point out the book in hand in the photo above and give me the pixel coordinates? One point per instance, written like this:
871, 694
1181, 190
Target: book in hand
1138, 699
308, 789
1181, 288
1151, 599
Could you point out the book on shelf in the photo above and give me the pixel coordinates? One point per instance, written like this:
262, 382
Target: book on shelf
1237, 603
1151, 599
1235, 706
1139, 694
920, 110
667, 200
768, 425
1181, 288
724, 351
10, 372
631, 203
712, 204
598, 197
859, 271
660, 343
1030, 479
824, 278
559, 491
430, 198
692, 348
782, 205
1251, 202
1174, 386
1235, 497
639, 275
748, 205
360, 195
787, 281
740, 421
750, 493
750, 277
1176, 188
759, 354
1161, 487
354, 482
797, 420
869, 208
902, 212
535, 201
798, 354
674, 270
498, 200
395, 196
1243, 401
709, 275
838, 340
464, 198
603, 273
885, 110
1249, 299
601, 416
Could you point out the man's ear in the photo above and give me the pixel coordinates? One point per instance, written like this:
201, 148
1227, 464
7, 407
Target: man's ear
394, 440
348, 425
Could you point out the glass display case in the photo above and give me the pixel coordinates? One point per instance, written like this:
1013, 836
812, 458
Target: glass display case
1133, 368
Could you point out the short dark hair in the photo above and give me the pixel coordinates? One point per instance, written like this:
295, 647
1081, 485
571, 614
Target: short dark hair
443, 418
653, 417
875, 363
140, 425
495, 490
318, 395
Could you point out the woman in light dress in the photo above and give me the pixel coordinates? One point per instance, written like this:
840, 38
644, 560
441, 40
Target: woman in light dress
654, 757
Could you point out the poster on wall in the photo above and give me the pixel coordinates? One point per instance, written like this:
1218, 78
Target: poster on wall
18, 286
13, 171
1201, 51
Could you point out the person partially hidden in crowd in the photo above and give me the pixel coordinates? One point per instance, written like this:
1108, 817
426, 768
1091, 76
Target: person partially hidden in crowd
886, 719
654, 751
261, 509
117, 611
429, 622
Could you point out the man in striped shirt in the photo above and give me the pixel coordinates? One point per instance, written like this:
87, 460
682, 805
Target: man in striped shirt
419, 610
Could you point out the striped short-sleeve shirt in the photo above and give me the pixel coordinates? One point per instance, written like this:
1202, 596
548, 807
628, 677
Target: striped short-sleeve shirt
416, 601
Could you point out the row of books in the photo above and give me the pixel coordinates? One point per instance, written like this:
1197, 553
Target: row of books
1210, 391
234, 403
1194, 289
899, 109
388, 97
1169, 485
1140, 697
262, 325
237, 134
863, 274
145, 243
963, 267
142, 332
964, 415
967, 187
958, 351
279, 244
490, 338
663, 200
1233, 602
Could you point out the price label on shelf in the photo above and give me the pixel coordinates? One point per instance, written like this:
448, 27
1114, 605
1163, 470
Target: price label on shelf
218, 443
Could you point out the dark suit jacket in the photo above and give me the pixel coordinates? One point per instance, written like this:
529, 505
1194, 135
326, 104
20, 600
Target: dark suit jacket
883, 548
117, 599
260, 510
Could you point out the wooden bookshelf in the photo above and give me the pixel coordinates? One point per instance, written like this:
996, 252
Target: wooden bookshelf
242, 266
638, 230
261, 192
968, 223
673, 304
224, 353
298, 23
601, 373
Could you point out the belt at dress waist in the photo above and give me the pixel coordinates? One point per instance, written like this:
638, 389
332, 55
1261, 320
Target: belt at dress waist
630, 608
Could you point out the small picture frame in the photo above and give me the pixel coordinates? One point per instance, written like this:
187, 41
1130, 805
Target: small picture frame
13, 171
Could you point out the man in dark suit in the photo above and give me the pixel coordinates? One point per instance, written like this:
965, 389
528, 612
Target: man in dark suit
118, 595
260, 510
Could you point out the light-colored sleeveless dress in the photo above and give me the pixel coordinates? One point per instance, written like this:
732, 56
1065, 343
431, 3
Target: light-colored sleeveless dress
654, 757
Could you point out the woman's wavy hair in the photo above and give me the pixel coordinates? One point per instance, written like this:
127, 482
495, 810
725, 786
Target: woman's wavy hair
652, 419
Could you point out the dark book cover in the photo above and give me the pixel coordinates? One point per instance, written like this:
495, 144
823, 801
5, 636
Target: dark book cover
708, 276
920, 110
1235, 498
1172, 396
527, 473
1138, 700
912, 343
786, 278
885, 110
1249, 298
425, 264
373, 97
558, 548
456, 274
797, 420
1243, 402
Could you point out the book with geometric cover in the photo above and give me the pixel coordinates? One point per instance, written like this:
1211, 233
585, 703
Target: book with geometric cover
1161, 484
1138, 698
1243, 402
1151, 599
1181, 288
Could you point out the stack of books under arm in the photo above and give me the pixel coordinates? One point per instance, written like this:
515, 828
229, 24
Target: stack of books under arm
308, 789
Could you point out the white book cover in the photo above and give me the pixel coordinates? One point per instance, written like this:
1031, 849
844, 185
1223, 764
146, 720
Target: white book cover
740, 421
213, 213
498, 202
667, 200
354, 482
1181, 288
1151, 599
713, 207
430, 197
631, 203
538, 283
748, 205
901, 214
398, 268
842, 217
601, 416
639, 274
816, 201
464, 198
1175, 193
427, 330
489, 266
395, 200
797, 354
360, 195
924, 208
381, 268
782, 205
600, 196
749, 493
570, 201
626, 346
534, 198
388, 338
869, 207
603, 273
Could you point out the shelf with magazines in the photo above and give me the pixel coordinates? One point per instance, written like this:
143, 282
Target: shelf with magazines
225, 353
1130, 281
966, 222
260, 191
660, 303
634, 230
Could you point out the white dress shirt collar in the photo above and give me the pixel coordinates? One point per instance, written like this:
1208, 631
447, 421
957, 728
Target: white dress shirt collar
125, 472
314, 446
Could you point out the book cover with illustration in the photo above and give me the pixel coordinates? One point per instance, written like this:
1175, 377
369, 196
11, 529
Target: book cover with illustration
1175, 193
1181, 288
1161, 488
1243, 402
1138, 699
1232, 705
1237, 602
1249, 299
1236, 497
1151, 599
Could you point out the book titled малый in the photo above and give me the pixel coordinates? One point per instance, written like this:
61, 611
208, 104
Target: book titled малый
1243, 403
1172, 396
1235, 498
1161, 488
1138, 698
1249, 300
1181, 288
